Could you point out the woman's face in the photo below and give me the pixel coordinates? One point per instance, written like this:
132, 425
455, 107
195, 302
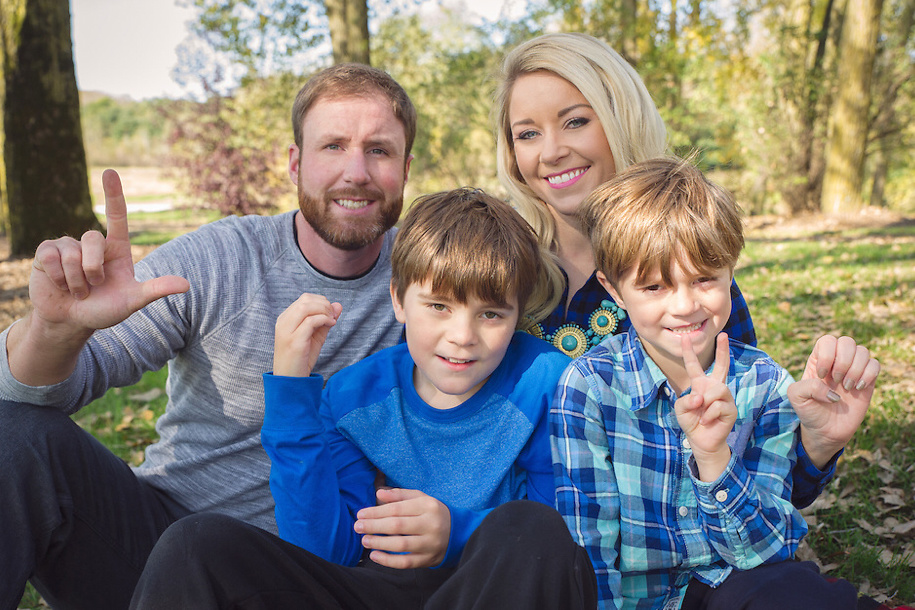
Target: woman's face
560, 146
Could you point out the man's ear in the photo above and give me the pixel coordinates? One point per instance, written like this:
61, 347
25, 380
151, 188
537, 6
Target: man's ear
293, 167
406, 168
398, 307
611, 290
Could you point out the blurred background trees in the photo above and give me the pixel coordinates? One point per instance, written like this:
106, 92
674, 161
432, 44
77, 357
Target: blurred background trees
790, 103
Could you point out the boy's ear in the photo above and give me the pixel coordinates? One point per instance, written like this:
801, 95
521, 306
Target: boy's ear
610, 289
398, 307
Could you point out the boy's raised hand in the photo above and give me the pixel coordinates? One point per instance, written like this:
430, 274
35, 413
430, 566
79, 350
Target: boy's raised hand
707, 414
407, 529
89, 284
300, 334
833, 394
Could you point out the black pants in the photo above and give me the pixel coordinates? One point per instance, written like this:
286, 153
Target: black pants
788, 585
521, 556
73, 517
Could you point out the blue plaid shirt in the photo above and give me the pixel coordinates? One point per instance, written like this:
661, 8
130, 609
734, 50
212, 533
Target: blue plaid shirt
593, 315
628, 487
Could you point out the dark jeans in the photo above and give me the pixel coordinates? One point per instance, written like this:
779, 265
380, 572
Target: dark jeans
75, 519
788, 585
521, 556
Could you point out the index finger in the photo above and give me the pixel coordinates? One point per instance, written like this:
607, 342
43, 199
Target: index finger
690, 360
722, 359
115, 206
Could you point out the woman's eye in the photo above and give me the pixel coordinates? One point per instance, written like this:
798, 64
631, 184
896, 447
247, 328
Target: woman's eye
526, 135
577, 122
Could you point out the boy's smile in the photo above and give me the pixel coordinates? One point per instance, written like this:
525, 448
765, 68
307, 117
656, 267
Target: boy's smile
696, 305
455, 345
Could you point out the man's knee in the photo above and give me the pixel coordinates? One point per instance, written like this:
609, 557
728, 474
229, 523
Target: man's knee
199, 536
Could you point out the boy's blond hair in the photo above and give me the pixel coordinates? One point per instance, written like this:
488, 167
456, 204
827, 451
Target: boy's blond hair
470, 244
657, 212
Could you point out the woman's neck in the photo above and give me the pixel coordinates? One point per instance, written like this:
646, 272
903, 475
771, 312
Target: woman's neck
575, 254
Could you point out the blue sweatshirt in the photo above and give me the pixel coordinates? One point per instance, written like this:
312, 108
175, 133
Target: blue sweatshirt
325, 446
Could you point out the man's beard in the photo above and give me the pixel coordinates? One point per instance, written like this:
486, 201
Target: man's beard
349, 234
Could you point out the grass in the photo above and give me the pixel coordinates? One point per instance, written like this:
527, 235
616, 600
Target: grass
801, 282
857, 282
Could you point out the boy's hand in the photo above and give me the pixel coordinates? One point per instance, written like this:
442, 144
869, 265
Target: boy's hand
300, 334
833, 394
405, 521
707, 414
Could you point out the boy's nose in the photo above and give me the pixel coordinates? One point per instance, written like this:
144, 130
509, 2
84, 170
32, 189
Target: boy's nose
684, 301
461, 332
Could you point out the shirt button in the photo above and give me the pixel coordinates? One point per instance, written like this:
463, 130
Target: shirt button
685, 443
683, 511
721, 495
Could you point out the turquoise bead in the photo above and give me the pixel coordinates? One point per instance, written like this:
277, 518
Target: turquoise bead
569, 343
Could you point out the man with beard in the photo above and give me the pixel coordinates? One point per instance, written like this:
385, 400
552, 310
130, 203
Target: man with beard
76, 520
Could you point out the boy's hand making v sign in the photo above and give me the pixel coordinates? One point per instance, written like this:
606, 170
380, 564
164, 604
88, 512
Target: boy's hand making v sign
707, 414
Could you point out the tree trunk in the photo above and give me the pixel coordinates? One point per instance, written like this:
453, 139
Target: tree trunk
849, 122
46, 179
628, 42
349, 30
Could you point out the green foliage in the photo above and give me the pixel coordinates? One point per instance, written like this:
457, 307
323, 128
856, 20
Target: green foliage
446, 69
232, 150
260, 37
802, 283
125, 132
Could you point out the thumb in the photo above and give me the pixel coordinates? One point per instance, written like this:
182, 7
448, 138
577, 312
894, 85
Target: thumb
389, 495
809, 389
156, 288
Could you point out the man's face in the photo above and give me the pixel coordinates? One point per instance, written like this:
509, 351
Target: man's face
351, 170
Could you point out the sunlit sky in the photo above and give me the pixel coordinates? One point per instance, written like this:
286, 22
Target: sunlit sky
127, 47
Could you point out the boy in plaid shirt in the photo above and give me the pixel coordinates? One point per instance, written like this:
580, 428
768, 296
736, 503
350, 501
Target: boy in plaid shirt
673, 447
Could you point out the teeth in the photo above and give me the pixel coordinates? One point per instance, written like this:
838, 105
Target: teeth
456, 361
687, 329
565, 177
352, 204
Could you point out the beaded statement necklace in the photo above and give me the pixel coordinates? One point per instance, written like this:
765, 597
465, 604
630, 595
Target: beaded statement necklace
573, 340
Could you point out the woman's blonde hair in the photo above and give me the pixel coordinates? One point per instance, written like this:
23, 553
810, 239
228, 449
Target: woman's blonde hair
467, 243
631, 122
660, 211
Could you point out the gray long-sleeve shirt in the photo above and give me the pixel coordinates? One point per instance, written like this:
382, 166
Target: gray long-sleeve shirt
217, 340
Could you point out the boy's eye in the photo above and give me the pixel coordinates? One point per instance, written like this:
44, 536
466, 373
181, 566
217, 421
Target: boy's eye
437, 306
491, 315
652, 288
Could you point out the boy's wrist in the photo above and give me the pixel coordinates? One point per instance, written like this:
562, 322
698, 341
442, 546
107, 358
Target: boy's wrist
710, 465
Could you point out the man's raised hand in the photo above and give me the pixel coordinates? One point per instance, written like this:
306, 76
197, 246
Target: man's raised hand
89, 284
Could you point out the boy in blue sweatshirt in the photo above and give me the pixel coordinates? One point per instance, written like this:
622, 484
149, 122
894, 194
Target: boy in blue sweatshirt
397, 484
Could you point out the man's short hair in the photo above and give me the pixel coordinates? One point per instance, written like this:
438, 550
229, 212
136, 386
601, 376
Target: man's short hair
657, 212
470, 244
354, 80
